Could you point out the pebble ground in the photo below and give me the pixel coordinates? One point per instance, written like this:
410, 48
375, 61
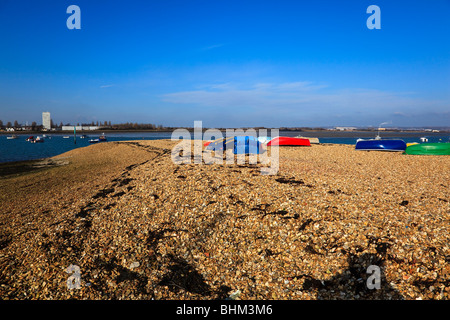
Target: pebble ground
139, 226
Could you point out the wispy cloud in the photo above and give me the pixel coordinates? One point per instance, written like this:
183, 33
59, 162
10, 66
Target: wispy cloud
107, 86
286, 95
305, 99
211, 47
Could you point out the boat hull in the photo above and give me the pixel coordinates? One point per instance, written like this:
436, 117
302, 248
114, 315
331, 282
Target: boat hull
239, 145
429, 149
311, 140
381, 145
289, 141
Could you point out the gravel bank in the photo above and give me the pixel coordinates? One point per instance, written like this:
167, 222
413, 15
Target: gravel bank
140, 227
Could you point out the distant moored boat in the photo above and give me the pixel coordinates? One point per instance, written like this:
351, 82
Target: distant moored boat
102, 137
37, 140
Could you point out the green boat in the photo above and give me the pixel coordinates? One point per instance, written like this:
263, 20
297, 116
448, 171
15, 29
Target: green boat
429, 149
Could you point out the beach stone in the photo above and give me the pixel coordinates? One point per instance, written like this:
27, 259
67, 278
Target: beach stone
153, 229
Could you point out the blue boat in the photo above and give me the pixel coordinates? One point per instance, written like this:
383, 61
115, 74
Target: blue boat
239, 145
247, 145
380, 145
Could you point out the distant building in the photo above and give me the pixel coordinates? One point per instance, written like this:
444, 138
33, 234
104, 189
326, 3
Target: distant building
345, 128
46, 120
79, 128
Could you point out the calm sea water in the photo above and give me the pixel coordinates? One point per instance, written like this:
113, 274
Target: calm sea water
20, 149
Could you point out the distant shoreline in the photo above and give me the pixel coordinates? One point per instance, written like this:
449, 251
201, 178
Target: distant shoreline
306, 133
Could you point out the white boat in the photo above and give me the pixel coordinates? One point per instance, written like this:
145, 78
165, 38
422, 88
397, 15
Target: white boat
12, 137
263, 139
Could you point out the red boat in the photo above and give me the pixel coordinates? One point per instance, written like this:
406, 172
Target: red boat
289, 141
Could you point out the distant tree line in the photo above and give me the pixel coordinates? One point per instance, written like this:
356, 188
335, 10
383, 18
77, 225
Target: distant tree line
87, 124
16, 125
120, 126
136, 126
104, 125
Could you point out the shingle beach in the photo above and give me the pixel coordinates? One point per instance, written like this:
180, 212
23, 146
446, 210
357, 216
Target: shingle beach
139, 226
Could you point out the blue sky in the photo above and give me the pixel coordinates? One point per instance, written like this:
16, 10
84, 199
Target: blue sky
227, 63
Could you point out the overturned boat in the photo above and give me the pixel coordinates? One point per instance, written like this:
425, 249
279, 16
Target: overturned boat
311, 139
438, 148
380, 145
239, 145
289, 141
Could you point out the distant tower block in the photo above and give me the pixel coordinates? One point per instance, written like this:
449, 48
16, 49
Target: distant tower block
46, 122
